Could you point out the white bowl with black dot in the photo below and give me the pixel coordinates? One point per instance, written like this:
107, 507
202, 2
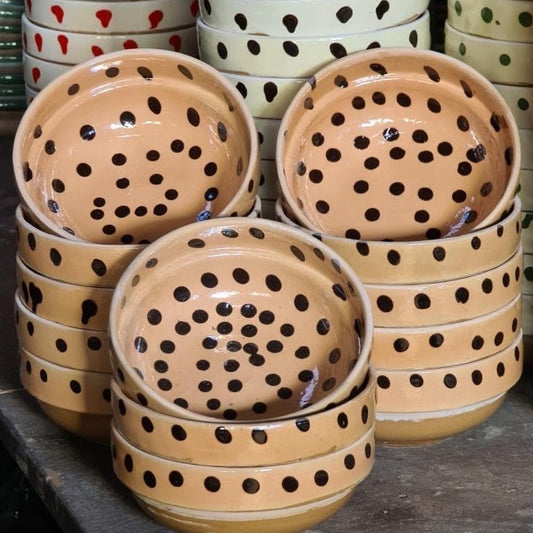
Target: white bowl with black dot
426, 260
307, 17
266, 323
171, 143
508, 21
520, 100
298, 57
500, 61
398, 144
64, 46
245, 444
241, 490
112, 17
80, 349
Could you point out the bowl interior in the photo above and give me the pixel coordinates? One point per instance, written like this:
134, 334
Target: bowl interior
239, 321
401, 146
126, 148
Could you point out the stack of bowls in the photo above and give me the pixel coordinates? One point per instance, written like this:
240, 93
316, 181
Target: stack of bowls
60, 33
269, 48
496, 38
111, 155
243, 399
12, 96
406, 162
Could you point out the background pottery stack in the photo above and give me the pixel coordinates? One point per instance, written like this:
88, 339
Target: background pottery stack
243, 398
496, 38
12, 96
407, 163
95, 160
60, 33
268, 49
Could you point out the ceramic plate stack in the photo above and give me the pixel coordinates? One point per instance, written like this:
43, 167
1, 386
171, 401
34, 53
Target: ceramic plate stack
243, 398
12, 96
496, 38
60, 33
96, 174
406, 162
269, 48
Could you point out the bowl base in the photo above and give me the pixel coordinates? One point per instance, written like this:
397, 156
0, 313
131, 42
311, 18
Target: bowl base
93, 427
289, 520
415, 429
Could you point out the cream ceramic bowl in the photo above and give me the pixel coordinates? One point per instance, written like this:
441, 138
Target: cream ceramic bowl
298, 57
527, 231
426, 260
112, 17
77, 401
114, 131
241, 489
307, 17
80, 349
506, 62
450, 387
38, 73
78, 306
520, 100
526, 189
455, 343
439, 303
384, 126
74, 47
266, 97
266, 322
497, 19
245, 444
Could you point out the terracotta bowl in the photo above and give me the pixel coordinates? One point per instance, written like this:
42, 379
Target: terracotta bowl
76, 400
442, 118
439, 303
245, 444
72, 47
508, 21
426, 260
120, 150
520, 100
266, 322
298, 57
307, 17
77, 306
80, 349
239, 490
527, 231
450, 387
460, 342
500, 61
38, 73
112, 17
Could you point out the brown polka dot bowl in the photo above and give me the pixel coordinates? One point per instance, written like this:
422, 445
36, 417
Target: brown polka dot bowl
240, 498
76, 400
398, 144
130, 145
245, 444
425, 260
266, 323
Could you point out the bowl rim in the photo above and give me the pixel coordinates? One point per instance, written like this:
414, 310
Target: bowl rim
365, 56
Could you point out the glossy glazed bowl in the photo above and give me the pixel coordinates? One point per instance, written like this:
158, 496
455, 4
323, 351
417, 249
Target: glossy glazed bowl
307, 17
385, 126
239, 490
506, 62
149, 139
80, 349
112, 17
265, 322
77, 306
298, 57
426, 260
460, 342
495, 19
245, 444
72, 47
